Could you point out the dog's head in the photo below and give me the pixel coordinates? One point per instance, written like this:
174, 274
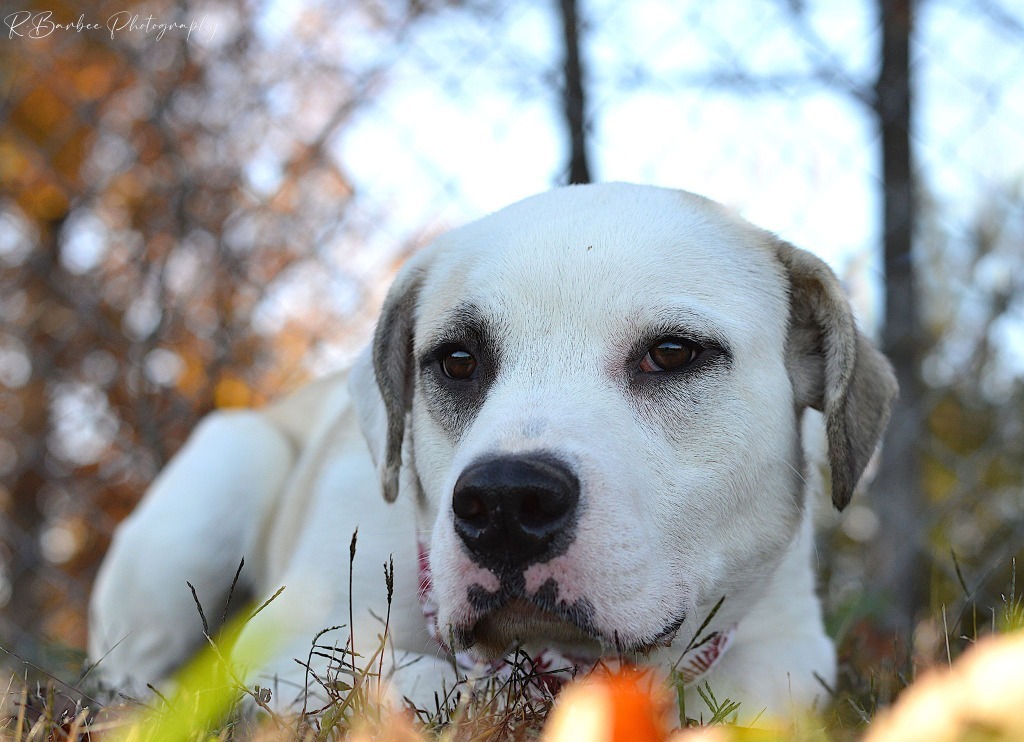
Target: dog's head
595, 395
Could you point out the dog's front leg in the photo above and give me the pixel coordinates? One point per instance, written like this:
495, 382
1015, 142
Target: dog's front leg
200, 517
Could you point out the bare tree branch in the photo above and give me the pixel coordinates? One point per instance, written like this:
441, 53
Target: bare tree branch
575, 104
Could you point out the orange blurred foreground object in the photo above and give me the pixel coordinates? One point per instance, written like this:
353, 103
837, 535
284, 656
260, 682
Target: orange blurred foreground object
627, 704
981, 697
395, 726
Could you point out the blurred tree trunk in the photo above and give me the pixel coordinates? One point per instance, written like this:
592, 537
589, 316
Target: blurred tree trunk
894, 560
575, 104
35, 469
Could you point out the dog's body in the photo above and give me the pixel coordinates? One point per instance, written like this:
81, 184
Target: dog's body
585, 411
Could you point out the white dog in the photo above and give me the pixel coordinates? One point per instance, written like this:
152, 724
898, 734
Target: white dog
580, 431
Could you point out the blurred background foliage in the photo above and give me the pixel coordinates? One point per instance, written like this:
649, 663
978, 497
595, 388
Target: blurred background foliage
206, 219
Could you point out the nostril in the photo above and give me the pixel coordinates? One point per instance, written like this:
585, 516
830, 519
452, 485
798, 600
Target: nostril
532, 512
470, 508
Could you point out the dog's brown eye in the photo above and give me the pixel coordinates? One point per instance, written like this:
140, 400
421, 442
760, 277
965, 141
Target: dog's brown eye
458, 364
670, 354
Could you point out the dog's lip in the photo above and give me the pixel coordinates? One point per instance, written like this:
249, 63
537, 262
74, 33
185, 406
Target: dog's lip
664, 637
519, 621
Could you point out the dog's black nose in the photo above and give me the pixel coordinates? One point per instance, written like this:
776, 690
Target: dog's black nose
515, 511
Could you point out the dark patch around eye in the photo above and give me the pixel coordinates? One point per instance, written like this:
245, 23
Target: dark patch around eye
454, 399
661, 399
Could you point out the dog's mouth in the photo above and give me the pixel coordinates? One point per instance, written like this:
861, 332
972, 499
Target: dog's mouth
520, 622
492, 622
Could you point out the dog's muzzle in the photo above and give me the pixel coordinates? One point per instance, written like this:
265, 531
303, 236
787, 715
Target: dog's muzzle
548, 669
514, 511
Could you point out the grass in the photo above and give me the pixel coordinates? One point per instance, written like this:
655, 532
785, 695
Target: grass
211, 702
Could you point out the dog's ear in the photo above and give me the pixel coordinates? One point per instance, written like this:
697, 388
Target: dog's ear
835, 369
369, 405
382, 379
